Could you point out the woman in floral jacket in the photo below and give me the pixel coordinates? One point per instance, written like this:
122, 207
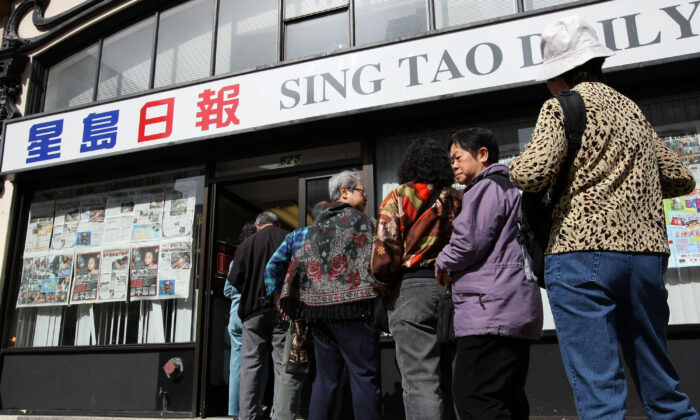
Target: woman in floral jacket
328, 284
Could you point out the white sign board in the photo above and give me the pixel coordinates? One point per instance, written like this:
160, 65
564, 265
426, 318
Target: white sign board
429, 68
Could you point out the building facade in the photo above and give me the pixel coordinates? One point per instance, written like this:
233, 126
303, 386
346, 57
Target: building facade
139, 136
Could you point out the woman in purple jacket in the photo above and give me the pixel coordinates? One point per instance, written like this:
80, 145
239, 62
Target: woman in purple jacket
498, 313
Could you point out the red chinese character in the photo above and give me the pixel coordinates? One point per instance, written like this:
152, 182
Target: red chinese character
167, 119
219, 109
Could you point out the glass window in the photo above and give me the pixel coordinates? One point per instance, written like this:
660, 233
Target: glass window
314, 36
125, 64
296, 8
379, 20
540, 4
111, 264
247, 36
184, 43
72, 81
677, 121
459, 12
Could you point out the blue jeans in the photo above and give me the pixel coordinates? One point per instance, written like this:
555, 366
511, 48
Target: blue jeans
412, 310
600, 300
235, 330
357, 343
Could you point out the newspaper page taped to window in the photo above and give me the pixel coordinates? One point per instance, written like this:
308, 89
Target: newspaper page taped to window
65, 224
46, 279
92, 217
175, 270
114, 275
119, 217
144, 272
40, 226
180, 200
87, 277
148, 214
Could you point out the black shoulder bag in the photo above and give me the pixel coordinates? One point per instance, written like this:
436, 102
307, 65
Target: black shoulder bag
535, 217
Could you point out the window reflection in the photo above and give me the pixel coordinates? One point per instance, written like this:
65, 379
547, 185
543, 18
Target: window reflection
314, 36
380, 20
247, 36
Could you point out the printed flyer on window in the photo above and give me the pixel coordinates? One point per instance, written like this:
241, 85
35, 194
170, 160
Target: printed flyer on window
682, 215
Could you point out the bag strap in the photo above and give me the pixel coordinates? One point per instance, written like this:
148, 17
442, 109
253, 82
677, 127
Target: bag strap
574, 125
500, 179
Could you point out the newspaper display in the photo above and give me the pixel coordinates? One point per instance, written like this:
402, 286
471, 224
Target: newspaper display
148, 214
114, 275
180, 200
175, 270
144, 272
40, 227
46, 280
682, 213
87, 277
110, 247
119, 217
91, 226
65, 224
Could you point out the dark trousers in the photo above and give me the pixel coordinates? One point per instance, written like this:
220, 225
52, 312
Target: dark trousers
489, 377
356, 343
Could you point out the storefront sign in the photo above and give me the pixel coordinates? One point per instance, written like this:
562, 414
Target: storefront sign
452, 64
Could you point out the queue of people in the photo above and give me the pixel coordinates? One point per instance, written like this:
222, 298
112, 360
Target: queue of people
604, 268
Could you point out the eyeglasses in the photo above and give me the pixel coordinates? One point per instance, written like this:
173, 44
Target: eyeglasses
362, 190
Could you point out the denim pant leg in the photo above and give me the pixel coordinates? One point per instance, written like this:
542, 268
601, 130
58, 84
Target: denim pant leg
584, 315
642, 325
289, 392
412, 311
329, 365
235, 330
359, 345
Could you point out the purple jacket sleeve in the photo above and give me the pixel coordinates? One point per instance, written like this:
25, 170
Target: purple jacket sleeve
476, 229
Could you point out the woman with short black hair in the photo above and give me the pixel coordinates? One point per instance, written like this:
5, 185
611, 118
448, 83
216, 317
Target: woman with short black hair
497, 311
415, 222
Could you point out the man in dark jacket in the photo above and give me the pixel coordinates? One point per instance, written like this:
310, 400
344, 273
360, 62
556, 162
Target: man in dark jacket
262, 327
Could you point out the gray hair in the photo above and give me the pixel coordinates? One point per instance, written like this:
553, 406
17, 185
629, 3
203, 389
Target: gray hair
265, 218
347, 179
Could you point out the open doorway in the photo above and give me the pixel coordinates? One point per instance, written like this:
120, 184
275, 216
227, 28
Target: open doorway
238, 204
291, 198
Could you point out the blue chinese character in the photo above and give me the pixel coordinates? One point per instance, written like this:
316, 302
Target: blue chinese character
100, 131
44, 141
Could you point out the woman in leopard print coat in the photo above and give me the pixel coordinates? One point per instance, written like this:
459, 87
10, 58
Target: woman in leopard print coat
608, 249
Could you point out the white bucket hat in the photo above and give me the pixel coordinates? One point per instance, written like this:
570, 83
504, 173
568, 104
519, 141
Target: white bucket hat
568, 43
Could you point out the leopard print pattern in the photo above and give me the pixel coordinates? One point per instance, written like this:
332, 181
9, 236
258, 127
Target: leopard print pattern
620, 175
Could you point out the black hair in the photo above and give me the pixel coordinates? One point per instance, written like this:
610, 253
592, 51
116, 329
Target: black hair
473, 139
247, 230
426, 161
590, 71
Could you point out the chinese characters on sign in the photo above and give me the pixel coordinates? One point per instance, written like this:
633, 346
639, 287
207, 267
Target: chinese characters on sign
101, 130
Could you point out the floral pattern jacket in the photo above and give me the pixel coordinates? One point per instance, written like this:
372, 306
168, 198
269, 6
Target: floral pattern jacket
328, 277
